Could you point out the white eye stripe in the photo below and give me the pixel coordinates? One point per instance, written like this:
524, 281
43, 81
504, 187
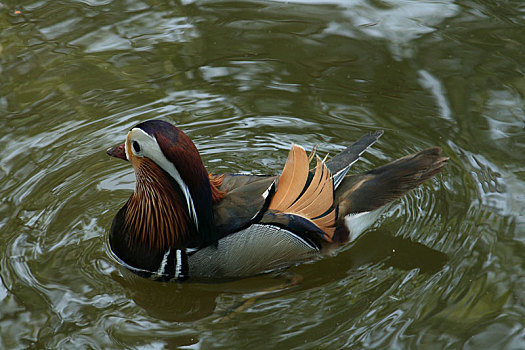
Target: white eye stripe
126, 147
150, 148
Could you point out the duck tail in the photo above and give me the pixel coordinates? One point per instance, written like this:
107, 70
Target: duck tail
373, 189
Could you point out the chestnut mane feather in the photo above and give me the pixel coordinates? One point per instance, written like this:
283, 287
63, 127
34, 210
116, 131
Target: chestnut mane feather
155, 216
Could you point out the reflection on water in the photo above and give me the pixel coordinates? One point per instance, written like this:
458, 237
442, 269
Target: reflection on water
442, 267
192, 301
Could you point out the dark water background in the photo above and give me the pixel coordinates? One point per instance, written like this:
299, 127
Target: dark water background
443, 268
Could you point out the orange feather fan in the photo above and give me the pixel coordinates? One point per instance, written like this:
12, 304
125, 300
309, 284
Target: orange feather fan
314, 202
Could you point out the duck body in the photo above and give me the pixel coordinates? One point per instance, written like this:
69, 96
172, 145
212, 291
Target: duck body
182, 222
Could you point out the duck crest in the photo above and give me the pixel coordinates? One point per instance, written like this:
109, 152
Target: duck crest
156, 215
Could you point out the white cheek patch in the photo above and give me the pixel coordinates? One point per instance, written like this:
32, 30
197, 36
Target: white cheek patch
151, 149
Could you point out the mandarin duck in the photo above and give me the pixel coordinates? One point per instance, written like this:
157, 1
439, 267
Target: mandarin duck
183, 222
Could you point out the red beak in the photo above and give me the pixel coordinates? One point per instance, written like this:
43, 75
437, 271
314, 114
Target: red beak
117, 152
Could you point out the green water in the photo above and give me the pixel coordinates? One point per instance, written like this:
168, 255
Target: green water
443, 268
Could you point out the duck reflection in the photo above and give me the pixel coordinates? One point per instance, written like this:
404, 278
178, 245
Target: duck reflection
191, 301
177, 302
401, 253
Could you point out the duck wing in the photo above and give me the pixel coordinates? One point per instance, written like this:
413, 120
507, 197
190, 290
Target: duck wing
248, 196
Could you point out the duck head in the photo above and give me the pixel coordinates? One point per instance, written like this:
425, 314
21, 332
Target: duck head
171, 206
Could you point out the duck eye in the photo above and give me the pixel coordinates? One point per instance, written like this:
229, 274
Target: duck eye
136, 146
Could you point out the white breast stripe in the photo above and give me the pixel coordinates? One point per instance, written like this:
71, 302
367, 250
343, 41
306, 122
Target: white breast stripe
162, 267
178, 267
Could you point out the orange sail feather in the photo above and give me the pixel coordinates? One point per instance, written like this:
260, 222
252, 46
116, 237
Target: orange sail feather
314, 202
292, 179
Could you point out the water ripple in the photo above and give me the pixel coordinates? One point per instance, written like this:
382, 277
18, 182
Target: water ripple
442, 267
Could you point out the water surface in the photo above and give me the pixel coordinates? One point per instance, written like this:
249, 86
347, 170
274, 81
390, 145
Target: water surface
443, 267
